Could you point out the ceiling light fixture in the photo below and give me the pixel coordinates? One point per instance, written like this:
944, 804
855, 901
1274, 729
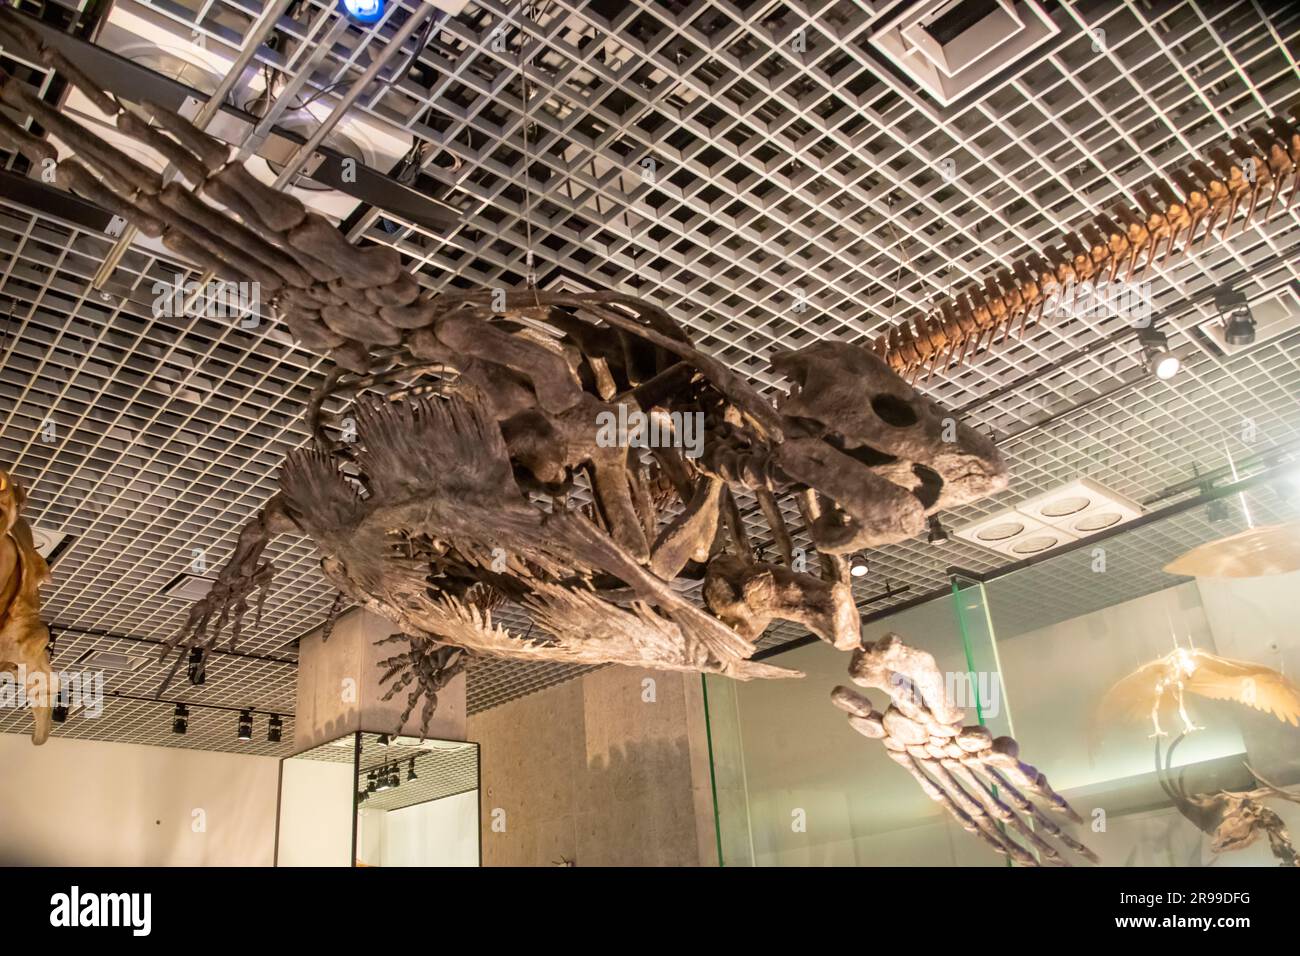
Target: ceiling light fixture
410, 773
936, 534
274, 729
365, 12
197, 669
245, 725
1156, 356
858, 566
1234, 311
181, 719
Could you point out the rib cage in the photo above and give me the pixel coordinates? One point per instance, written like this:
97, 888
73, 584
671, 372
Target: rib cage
961, 326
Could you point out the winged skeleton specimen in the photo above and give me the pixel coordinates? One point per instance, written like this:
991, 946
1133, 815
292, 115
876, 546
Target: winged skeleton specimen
977, 778
1167, 679
461, 452
1268, 549
1233, 820
24, 640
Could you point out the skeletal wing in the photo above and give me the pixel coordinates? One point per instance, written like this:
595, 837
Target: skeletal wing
1257, 686
1132, 697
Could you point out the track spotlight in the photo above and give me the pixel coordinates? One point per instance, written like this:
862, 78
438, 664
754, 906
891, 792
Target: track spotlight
59, 714
197, 669
245, 725
274, 729
936, 534
384, 740
1234, 310
858, 566
1161, 362
363, 796
181, 719
387, 780
410, 773
372, 781
364, 12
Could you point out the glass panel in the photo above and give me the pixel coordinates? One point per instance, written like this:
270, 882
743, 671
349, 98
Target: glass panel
1045, 644
417, 802
1071, 627
798, 786
314, 822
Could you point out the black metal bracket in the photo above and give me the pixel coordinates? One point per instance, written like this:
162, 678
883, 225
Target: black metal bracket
131, 81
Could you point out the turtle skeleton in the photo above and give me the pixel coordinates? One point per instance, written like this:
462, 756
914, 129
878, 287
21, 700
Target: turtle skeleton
458, 456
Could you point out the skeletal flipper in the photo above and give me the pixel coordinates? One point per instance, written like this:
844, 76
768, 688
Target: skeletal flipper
977, 779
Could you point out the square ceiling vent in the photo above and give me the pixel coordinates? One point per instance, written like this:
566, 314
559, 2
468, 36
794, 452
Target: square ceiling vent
1073, 511
50, 544
112, 662
949, 47
187, 587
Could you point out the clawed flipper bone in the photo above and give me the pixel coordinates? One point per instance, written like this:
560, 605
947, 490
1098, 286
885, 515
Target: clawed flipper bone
976, 778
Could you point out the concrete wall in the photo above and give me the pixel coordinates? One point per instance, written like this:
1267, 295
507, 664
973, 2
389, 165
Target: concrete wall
606, 770
88, 803
437, 833
339, 690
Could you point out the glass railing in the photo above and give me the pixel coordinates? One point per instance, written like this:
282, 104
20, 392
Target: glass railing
1042, 646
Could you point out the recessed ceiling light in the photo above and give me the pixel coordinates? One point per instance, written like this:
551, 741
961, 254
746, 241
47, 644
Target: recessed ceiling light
1000, 531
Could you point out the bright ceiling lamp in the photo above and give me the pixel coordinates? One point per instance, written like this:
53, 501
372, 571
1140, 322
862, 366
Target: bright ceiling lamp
1161, 362
363, 11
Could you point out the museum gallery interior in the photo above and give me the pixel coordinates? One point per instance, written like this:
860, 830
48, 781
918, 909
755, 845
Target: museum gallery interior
649, 433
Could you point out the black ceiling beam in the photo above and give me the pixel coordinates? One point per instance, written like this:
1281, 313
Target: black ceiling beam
136, 83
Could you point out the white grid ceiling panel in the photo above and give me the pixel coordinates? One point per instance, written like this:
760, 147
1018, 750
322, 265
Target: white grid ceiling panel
776, 174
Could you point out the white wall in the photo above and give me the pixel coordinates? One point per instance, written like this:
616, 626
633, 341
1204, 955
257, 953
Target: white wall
438, 833
87, 803
316, 813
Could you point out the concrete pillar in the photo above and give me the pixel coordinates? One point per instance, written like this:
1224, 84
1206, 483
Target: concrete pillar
339, 690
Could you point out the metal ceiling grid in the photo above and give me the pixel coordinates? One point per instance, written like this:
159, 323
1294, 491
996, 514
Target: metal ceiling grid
442, 768
131, 721
775, 173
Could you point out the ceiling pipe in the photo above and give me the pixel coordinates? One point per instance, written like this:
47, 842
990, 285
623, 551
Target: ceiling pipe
252, 43
413, 23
